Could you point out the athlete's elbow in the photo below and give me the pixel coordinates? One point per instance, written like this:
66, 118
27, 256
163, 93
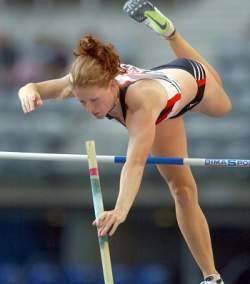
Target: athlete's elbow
228, 105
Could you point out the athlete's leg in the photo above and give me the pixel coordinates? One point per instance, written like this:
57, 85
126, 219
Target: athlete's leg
215, 102
182, 49
145, 12
170, 141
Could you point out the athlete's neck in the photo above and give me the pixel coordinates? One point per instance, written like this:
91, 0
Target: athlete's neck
115, 108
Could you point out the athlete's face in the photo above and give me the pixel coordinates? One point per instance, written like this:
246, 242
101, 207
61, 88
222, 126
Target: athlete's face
98, 101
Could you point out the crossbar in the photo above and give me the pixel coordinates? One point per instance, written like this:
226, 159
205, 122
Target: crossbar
232, 163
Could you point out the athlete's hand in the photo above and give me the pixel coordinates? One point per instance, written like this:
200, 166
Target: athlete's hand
30, 98
108, 222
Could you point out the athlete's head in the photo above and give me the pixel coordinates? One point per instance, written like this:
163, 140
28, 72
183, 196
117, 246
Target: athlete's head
93, 75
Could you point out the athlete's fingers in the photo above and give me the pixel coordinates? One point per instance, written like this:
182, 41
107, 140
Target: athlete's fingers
114, 228
32, 101
107, 226
22, 104
39, 103
101, 219
28, 103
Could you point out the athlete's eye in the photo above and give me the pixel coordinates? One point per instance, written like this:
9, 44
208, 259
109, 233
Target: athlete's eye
83, 102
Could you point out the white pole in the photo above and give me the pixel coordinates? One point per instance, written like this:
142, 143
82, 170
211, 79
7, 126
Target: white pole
52, 157
99, 208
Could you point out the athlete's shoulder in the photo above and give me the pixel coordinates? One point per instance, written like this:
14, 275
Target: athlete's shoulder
143, 91
129, 68
144, 85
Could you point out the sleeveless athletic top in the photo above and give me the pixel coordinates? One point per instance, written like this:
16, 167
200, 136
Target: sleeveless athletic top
134, 74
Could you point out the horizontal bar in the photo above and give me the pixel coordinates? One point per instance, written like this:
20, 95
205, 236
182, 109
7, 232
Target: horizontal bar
51, 157
233, 163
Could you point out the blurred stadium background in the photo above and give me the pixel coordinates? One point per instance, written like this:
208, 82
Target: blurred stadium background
46, 210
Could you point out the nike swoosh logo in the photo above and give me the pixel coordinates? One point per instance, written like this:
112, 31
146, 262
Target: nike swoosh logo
163, 27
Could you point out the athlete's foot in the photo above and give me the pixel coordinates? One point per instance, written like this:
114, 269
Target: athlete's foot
213, 279
145, 12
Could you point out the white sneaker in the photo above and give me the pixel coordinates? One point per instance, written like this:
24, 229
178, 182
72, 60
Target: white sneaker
213, 279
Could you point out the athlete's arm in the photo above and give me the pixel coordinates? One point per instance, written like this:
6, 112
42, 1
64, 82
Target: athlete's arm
32, 94
141, 129
141, 116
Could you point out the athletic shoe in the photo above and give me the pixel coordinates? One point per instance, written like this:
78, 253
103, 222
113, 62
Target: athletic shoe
213, 279
145, 12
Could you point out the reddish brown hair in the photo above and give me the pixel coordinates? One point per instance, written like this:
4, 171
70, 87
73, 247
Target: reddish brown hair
96, 63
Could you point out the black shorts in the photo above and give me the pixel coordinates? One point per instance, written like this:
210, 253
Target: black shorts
197, 71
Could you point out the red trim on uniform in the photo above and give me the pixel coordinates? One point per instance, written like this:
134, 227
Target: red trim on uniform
93, 172
169, 106
201, 82
173, 100
161, 118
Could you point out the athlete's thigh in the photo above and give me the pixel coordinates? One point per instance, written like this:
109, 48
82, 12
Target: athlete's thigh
170, 141
215, 101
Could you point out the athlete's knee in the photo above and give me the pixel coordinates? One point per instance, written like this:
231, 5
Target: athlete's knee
184, 194
228, 104
218, 79
225, 105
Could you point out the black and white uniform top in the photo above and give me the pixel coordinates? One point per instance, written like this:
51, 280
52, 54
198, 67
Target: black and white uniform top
172, 109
